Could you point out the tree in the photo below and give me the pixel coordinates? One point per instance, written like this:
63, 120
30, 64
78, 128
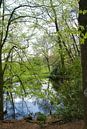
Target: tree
1, 70
83, 40
17, 48
43, 19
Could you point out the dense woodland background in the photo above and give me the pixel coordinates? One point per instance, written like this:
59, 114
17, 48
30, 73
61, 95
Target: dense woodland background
40, 54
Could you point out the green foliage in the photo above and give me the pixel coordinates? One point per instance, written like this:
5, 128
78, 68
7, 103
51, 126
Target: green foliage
70, 92
43, 30
26, 77
41, 117
57, 76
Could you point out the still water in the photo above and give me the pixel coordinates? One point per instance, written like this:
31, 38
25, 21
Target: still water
25, 106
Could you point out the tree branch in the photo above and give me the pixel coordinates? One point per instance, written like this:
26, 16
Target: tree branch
10, 19
7, 58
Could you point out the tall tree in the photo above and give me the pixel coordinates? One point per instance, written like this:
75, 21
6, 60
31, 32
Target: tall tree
0, 2
1, 70
7, 37
83, 40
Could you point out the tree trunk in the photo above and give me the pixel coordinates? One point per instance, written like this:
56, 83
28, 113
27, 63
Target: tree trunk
1, 71
83, 22
1, 89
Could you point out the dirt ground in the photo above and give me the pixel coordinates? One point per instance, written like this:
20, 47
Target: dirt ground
22, 124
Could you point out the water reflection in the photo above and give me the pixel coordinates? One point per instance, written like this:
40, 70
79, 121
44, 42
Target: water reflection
25, 106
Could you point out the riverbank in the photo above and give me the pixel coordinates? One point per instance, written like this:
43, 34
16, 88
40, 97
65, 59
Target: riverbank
22, 124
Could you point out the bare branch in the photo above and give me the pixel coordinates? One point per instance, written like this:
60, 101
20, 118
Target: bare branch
10, 19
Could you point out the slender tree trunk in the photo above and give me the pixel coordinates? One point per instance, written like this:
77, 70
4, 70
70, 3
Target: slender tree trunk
83, 29
13, 105
61, 43
1, 75
1, 88
0, 3
1, 70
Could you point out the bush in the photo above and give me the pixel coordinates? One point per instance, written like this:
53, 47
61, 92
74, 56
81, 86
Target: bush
41, 117
70, 92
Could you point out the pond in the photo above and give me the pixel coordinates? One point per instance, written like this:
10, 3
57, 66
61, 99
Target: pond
25, 106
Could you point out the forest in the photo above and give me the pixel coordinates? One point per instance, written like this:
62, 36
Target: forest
43, 64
